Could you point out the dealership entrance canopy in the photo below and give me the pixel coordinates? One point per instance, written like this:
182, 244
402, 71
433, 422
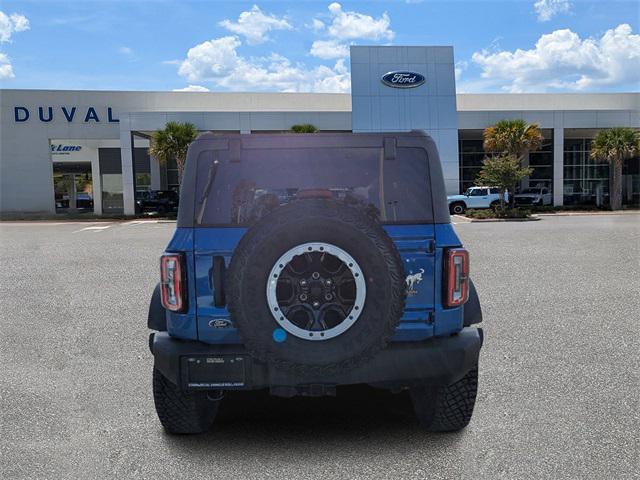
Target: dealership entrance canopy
87, 150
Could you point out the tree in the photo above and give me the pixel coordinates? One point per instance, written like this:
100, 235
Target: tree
173, 142
504, 172
513, 138
615, 146
304, 128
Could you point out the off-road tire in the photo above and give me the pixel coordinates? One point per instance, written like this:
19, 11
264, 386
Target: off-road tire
449, 408
457, 208
182, 412
316, 220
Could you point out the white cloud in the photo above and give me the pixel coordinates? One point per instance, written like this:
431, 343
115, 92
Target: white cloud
10, 24
547, 9
126, 51
352, 25
218, 61
6, 70
317, 25
346, 25
255, 24
328, 49
561, 60
192, 88
210, 60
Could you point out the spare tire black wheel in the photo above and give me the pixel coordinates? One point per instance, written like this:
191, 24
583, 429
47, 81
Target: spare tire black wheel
315, 286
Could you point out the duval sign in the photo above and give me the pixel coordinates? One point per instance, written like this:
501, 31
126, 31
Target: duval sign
47, 114
403, 79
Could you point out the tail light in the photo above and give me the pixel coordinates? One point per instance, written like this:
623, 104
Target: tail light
172, 282
456, 277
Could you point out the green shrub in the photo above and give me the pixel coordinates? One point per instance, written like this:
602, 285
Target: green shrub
515, 213
304, 128
486, 213
498, 213
544, 208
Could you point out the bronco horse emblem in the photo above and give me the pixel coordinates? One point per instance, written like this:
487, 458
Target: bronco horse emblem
412, 280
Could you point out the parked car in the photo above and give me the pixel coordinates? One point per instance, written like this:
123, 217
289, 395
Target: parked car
159, 201
62, 200
84, 200
343, 271
475, 197
534, 196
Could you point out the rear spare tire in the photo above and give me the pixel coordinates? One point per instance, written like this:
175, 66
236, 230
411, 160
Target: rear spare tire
316, 286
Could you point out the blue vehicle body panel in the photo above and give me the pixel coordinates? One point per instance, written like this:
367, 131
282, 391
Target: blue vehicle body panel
416, 244
420, 246
210, 242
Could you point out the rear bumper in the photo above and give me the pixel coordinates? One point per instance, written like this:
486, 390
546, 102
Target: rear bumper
201, 366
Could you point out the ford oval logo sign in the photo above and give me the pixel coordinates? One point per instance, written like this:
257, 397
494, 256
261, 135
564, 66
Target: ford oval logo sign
403, 79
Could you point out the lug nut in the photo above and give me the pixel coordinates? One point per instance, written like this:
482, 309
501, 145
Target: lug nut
328, 282
303, 283
315, 275
328, 297
303, 297
316, 304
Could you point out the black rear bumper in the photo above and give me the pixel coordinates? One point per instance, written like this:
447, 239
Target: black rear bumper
197, 365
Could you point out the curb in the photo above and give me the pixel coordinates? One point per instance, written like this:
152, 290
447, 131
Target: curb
86, 220
492, 220
577, 214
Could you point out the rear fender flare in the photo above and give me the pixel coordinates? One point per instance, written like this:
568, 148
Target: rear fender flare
472, 309
157, 318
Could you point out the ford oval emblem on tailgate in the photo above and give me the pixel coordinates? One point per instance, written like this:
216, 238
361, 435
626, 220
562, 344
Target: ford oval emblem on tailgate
220, 323
401, 79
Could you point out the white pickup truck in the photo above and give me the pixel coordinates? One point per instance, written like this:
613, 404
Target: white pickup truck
475, 197
534, 196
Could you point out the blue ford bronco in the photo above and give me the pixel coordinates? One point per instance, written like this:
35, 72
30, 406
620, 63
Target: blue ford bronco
305, 262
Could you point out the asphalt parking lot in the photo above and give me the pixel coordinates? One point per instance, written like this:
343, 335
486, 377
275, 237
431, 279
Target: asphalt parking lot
559, 375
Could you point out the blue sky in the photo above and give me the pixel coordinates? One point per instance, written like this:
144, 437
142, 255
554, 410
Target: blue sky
508, 46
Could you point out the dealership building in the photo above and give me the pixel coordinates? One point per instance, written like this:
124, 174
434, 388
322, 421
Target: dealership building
62, 150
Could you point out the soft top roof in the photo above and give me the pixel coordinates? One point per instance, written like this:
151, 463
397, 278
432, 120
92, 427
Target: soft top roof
236, 142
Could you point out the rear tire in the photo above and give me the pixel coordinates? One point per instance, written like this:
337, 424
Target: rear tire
457, 208
182, 412
448, 408
494, 206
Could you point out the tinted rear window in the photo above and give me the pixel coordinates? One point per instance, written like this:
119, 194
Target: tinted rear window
239, 193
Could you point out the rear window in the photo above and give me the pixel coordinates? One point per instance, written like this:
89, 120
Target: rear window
238, 193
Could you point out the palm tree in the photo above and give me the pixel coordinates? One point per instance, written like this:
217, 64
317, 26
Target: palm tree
304, 128
515, 138
512, 138
173, 142
615, 146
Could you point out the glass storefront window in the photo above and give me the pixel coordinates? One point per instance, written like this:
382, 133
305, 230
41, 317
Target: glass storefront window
112, 200
143, 182
172, 179
586, 181
472, 154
